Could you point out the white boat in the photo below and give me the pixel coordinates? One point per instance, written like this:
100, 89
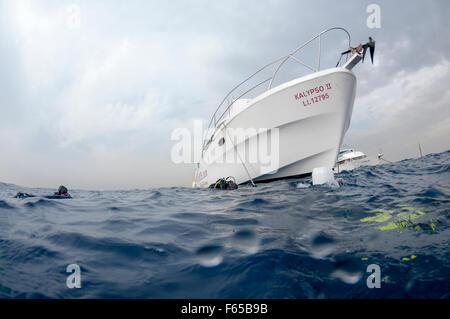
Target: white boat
286, 131
349, 159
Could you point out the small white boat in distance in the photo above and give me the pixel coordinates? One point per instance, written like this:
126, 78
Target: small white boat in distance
286, 131
349, 159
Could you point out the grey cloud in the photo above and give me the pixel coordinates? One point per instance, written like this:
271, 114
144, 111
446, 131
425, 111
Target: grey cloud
190, 54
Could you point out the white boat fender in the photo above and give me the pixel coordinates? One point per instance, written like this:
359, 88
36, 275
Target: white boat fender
323, 175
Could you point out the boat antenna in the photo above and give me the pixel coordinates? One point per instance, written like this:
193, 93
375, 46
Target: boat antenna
420, 150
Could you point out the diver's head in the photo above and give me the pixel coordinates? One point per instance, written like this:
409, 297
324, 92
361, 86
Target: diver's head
62, 190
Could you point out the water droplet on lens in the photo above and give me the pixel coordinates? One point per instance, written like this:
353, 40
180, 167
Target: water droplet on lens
246, 241
209, 256
322, 246
372, 238
348, 271
347, 277
410, 284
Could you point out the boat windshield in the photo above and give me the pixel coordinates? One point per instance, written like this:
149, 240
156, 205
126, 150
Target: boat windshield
342, 152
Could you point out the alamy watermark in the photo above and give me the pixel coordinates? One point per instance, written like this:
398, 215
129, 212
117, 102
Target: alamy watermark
73, 16
374, 19
227, 145
74, 279
374, 279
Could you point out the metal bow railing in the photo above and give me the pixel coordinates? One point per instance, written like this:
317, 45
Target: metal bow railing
281, 61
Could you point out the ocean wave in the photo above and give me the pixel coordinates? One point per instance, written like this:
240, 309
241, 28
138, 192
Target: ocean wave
285, 239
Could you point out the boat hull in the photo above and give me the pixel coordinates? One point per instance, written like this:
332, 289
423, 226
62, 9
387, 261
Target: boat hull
301, 123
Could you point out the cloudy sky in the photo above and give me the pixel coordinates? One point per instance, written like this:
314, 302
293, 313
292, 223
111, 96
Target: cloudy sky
90, 91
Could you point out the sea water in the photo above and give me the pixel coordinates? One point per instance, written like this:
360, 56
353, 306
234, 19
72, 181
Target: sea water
285, 239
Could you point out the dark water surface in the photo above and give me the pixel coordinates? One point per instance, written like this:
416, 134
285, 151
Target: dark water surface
285, 239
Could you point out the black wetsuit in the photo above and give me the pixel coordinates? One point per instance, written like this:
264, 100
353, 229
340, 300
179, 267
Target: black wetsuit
54, 196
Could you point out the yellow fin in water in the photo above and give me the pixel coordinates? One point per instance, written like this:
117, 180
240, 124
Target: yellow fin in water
403, 217
409, 258
382, 216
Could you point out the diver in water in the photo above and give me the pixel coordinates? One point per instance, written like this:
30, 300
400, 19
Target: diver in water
224, 183
62, 191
